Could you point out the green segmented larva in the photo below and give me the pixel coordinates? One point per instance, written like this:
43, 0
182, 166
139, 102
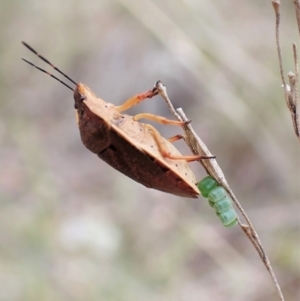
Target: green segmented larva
219, 200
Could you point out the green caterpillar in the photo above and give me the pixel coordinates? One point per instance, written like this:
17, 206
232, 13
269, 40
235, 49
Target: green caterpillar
219, 200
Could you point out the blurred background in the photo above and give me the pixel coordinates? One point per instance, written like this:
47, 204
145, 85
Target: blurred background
71, 227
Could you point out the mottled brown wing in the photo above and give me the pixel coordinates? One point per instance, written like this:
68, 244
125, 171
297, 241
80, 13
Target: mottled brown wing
132, 150
141, 167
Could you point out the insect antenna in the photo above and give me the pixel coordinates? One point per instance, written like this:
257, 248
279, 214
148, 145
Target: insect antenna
47, 73
49, 63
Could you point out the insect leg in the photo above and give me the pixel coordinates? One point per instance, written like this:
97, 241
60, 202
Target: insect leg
163, 149
158, 119
77, 117
136, 99
175, 138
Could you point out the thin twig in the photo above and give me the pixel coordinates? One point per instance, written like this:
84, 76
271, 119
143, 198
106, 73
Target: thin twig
211, 166
294, 93
276, 5
291, 94
297, 10
292, 103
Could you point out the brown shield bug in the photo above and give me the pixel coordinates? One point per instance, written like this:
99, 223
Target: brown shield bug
135, 149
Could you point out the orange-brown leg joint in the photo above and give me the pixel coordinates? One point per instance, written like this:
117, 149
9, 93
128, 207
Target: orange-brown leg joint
175, 138
135, 100
158, 119
163, 148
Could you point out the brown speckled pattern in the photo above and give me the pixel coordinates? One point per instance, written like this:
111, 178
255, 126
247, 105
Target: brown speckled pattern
128, 147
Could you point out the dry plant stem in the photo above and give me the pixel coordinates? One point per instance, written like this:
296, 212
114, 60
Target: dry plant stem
291, 94
211, 166
276, 5
297, 10
294, 94
293, 103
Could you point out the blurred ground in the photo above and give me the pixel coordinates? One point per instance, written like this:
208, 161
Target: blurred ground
72, 228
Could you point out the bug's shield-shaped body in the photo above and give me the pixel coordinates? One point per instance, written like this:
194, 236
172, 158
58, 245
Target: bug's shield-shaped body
129, 147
